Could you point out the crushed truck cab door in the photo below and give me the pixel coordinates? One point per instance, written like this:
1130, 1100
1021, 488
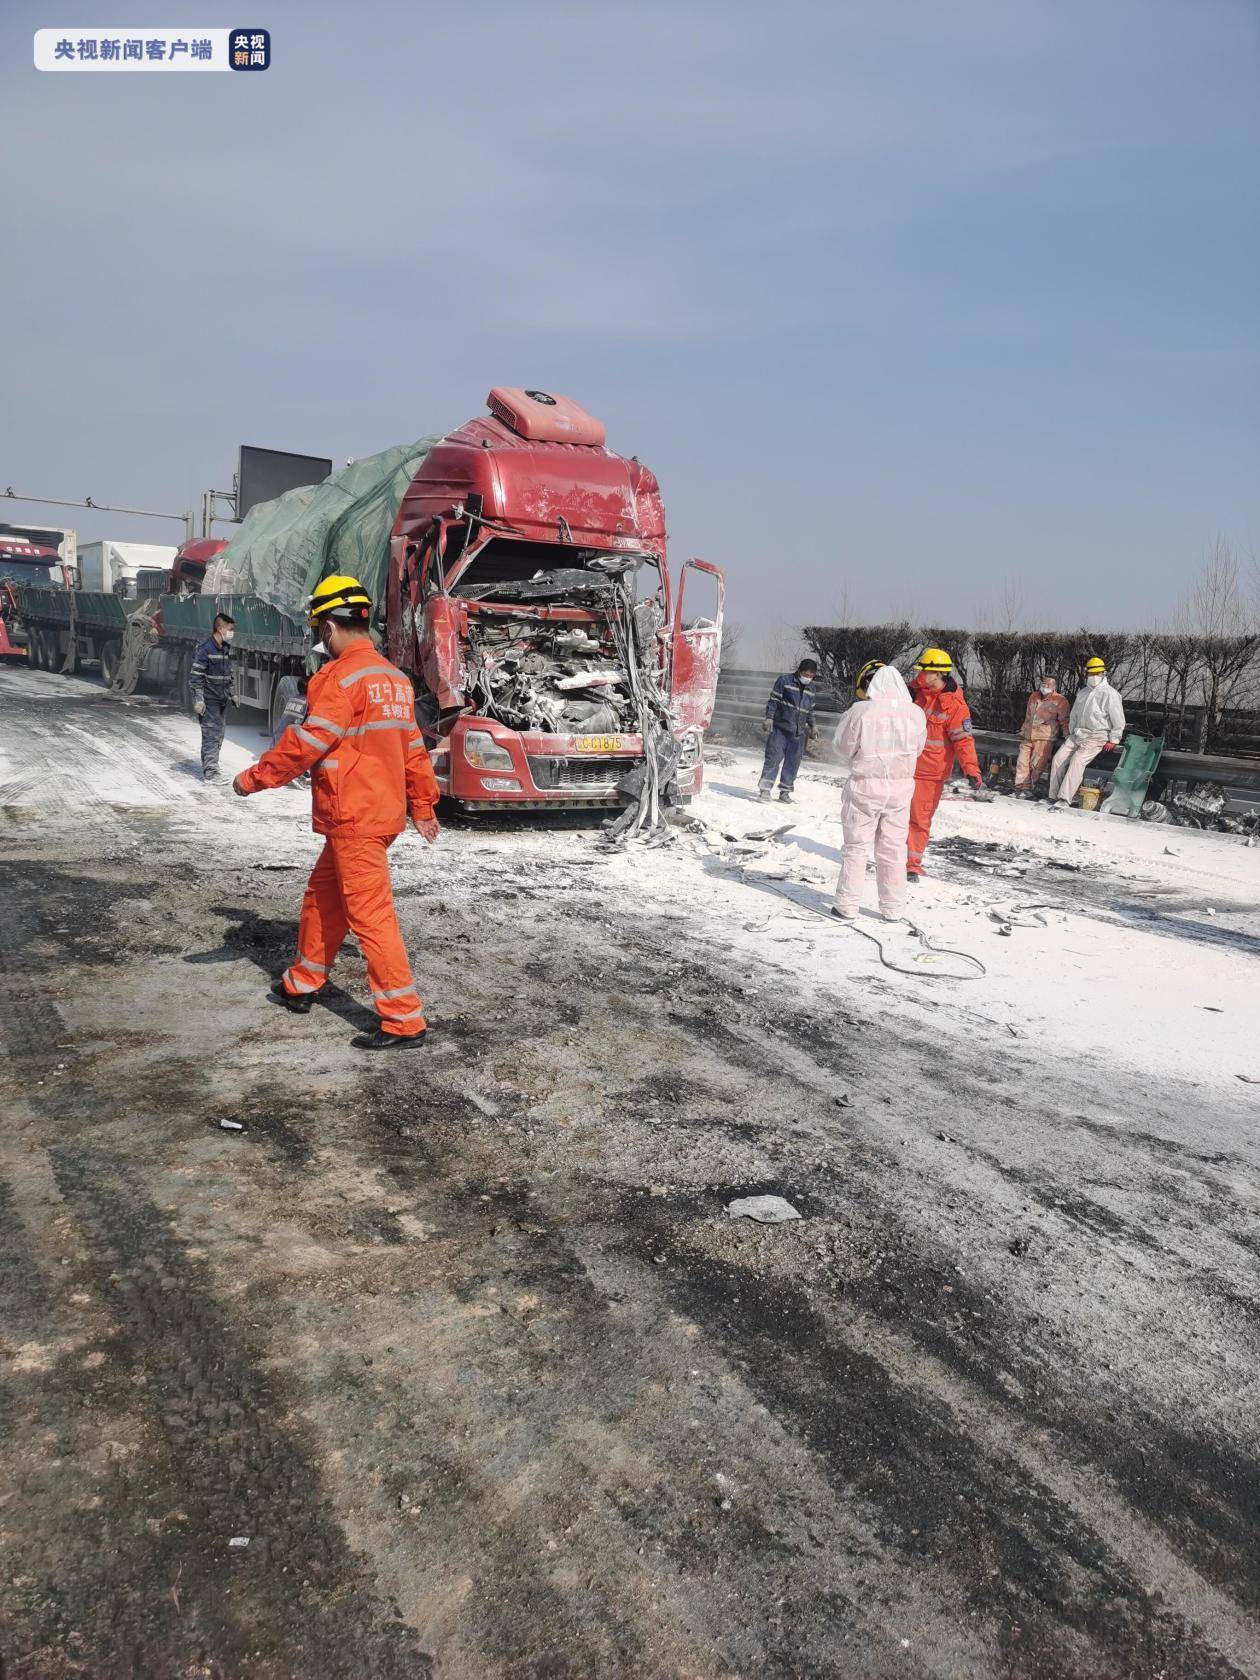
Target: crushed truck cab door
696, 646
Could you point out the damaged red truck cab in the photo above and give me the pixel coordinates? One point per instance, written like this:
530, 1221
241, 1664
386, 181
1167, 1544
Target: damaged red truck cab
530, 597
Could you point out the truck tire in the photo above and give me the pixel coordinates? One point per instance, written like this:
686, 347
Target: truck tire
35, 649
285, 692
109, 659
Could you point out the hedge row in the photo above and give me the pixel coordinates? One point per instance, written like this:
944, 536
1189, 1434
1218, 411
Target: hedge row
1199, 692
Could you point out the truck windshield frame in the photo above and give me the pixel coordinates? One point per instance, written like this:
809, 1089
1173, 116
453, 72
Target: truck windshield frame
492, 568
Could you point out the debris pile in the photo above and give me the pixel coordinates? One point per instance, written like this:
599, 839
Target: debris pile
1202, 806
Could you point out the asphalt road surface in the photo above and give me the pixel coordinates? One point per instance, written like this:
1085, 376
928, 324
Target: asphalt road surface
463, 1344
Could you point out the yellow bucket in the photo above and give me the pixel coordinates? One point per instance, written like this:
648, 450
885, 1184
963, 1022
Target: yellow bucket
1090, 798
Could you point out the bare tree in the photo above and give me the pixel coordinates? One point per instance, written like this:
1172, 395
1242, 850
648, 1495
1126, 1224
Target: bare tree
732, 645
783, 644
1222, 619
1009, 611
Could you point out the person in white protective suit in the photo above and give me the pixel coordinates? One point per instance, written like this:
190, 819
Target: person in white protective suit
1095, 726
878, 741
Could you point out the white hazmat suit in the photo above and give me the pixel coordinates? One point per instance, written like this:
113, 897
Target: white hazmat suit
878, 741
1097, 717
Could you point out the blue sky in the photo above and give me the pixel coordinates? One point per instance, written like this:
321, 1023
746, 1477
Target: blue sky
908, 306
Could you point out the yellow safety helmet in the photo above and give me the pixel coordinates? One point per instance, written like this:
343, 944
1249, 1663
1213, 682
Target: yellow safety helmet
934, 659
341, 598
864, 676
1094, 667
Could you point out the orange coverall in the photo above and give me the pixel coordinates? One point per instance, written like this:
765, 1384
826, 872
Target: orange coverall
948, 738
369, 771
1045, 725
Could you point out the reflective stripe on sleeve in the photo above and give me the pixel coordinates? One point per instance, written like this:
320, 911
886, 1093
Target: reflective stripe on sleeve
418, 742
329, 764
324, 723
311, 740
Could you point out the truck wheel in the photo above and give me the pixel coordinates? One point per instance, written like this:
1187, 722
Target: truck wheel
35, 649
109, 660
286, 692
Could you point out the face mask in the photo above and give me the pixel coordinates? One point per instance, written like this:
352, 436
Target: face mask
1092, 682
806, 680
228, 634
1047, 688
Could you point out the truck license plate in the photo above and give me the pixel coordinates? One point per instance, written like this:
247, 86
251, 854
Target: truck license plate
599, 743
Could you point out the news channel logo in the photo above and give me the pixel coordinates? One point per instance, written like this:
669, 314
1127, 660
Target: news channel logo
153, 49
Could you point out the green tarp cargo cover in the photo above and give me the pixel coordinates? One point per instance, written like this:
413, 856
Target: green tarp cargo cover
284, 547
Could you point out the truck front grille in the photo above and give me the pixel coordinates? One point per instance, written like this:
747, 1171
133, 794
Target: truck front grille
580, 775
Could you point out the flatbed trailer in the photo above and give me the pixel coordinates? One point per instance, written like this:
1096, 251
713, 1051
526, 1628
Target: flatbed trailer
67, 628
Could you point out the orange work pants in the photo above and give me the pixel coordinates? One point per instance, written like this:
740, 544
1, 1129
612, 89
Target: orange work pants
1033, 761
927, 796
349, 892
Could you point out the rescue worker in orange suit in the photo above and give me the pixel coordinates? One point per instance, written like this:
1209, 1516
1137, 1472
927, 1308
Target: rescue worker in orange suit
1045, 725
369, 771
949, 740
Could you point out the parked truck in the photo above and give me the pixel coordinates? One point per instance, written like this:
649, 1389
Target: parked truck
25, 565
118, 568
66, 626
520, 577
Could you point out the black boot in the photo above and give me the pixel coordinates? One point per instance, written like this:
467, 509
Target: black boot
379, 1040
297, 1003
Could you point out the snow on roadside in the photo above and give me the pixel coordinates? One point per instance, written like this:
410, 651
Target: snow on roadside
1133, 974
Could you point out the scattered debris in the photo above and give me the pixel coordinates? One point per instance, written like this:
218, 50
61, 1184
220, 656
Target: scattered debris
239, 1542
1006, 929
945, 1137
1025, 915
842, 1102
231, 1125
766, 1210
1212, 1008
1248, 1078
483, 1103
1019, 1246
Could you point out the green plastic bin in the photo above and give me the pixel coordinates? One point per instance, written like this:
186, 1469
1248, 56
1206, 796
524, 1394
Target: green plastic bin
1138, 763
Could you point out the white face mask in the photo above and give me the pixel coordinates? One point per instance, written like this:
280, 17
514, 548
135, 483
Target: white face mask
1092, 682
801, 676
228, 634
1047, 688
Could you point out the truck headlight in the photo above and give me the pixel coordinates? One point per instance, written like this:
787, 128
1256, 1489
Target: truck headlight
689, 753
483, 752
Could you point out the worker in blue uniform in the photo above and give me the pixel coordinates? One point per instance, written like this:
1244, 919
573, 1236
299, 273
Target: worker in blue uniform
788, 726
210, 684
